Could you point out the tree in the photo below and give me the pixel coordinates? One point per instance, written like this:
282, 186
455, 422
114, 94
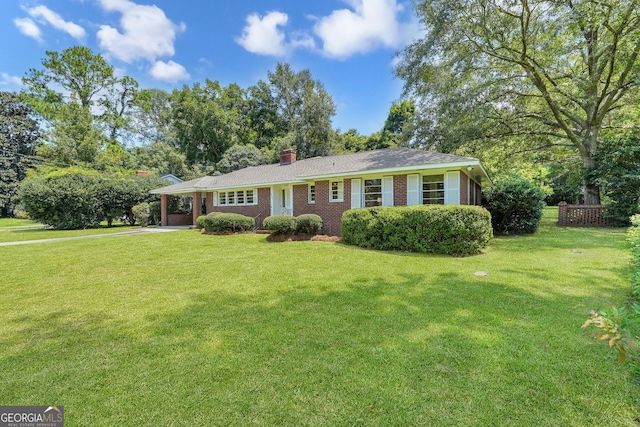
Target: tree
19, 134
79, 76
75, 138
76, 71
161, 158
306, 109
240, 157
397, 129
204, 125
557, 72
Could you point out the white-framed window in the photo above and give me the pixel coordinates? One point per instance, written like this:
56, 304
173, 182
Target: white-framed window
372, 192
312, 193
237, 198
433, 190
336, 191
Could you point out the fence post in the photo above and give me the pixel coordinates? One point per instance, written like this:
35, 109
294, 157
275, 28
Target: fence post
562, 213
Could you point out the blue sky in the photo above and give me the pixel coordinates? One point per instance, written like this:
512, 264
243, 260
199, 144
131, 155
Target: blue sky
349, 45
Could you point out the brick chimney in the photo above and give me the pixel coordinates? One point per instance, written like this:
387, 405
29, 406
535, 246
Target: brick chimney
142, 173
287, 156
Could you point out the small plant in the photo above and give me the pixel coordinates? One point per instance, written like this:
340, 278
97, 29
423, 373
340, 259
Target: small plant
280, 224
615, 329
308, 224
141, 213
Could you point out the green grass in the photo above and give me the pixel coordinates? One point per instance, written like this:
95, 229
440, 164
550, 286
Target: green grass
15, 222
9, 234
189, 329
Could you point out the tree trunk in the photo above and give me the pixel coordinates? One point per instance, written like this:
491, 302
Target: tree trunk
590, 189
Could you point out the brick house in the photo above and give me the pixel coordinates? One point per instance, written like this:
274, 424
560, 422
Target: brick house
328, 186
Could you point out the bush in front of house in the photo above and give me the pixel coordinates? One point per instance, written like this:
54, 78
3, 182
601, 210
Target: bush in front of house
280, 224
437, 229
218, 222
308, 224
141, 213
515, 205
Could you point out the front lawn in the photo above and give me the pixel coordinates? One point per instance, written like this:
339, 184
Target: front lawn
38, 232
183, 328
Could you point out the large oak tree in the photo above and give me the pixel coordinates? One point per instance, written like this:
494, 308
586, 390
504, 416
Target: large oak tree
542, 72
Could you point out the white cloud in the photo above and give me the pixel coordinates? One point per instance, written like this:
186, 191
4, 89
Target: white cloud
28, 28
169, 71
261, 35
367, 26
10, 80
147, 33
46, 15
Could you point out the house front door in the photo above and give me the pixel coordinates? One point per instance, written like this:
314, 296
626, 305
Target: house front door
281, 200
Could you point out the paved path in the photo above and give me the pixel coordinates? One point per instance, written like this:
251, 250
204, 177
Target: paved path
94, 236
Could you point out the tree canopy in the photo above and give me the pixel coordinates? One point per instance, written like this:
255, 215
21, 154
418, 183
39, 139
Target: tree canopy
541, 72
19, 134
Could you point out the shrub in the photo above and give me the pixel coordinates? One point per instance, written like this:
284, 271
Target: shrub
452, 230
154, 213
201, 221
515, 205
219, 222
280, 224
308, 224
142, 214
75, 198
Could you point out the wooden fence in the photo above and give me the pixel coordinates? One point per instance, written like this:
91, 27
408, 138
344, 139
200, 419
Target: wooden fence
582, 215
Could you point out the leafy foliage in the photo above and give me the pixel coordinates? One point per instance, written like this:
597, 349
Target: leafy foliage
141, 213
516, 206
281, 223
75, 198
553, 72
620, 327
19, 134
441, 229
241, 156
618, 174
308, 223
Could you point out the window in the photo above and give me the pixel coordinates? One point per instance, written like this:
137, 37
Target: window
336, 193
312, 194
237, 198
433, 190
372, 192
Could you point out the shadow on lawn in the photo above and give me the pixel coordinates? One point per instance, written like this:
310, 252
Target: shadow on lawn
418, 350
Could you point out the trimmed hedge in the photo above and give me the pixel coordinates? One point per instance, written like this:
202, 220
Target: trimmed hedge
218, 222
308, 224
436, 229
281, 223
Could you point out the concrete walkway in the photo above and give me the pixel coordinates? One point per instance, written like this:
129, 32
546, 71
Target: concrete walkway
95, 236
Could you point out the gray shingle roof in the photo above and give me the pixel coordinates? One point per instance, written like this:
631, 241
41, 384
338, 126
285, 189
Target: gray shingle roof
318, 167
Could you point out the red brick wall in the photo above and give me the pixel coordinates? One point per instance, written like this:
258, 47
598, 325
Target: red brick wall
301, 203
399, 190
331, 212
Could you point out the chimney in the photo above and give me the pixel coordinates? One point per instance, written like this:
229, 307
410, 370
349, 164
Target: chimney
142, 173
287, 156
